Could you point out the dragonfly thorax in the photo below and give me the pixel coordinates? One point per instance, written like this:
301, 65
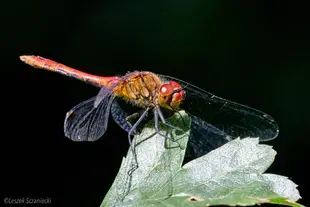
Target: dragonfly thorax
139, 88
145, 89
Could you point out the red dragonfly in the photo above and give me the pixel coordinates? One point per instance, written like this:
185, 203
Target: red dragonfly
215, 119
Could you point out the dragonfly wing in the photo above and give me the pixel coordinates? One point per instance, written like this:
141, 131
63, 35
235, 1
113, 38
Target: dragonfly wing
101, 95
234, 119
119, 116
197, 145
85, 122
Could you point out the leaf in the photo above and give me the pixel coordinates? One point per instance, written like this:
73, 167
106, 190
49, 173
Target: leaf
230, 175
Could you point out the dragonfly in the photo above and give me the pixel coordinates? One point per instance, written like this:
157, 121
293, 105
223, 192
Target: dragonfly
215, 120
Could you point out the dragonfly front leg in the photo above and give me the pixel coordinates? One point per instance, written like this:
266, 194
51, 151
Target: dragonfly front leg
162, 118
156, 114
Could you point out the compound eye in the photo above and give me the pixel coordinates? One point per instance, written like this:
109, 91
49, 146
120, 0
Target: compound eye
166, 89
175, 85
178, 96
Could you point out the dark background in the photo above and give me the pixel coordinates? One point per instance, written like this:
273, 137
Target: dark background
256, 53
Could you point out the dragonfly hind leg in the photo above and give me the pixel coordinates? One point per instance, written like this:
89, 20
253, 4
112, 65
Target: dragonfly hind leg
130, 118
121, 118
132, 147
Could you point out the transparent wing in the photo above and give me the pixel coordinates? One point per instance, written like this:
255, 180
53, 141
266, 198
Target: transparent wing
235, 120
85, 122
197, 146
204, 138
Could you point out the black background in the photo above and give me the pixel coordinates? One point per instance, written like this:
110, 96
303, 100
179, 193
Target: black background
256, 53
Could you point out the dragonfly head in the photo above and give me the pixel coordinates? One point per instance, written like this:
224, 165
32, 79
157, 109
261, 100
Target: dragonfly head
171, 95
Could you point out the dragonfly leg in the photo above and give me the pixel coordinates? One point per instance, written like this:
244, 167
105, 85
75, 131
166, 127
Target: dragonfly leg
130, 118
133, 116
162, 118
183, 121
156, 113
131, 131
122, 119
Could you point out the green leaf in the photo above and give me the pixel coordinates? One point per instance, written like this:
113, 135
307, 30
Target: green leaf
230, 175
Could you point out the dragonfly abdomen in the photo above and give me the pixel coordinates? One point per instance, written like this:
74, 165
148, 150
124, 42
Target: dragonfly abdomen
50, 65
139, 88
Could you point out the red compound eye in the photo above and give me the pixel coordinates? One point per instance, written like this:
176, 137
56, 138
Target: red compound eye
166, 89
175, 85
178, 96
